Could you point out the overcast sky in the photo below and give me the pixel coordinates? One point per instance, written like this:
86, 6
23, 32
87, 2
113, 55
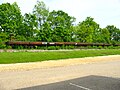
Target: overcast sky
104, 12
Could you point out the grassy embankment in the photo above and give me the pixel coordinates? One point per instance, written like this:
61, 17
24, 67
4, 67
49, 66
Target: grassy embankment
20, 57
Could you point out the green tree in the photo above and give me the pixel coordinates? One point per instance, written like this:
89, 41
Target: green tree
87, 31
3, 39
41, 12
29, 27
105, 36
10, 21
60, 25
114, 33
10, 17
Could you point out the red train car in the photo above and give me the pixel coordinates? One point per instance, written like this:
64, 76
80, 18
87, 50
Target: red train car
27, 43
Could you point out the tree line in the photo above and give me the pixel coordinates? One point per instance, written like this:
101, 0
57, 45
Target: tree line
55, 26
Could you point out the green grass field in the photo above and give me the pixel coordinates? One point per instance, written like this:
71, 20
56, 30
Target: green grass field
20, 57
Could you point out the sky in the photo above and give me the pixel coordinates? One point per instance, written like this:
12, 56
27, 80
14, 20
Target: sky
104, 12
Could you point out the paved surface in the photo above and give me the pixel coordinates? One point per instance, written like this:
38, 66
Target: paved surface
84, 83
92, 76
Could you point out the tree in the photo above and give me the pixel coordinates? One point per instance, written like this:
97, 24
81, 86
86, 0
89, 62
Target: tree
114, 33
41, 12
29, 30
87, 31
60, 24
10, 18
46, 33
104, 36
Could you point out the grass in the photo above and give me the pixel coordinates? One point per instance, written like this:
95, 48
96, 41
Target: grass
20, 57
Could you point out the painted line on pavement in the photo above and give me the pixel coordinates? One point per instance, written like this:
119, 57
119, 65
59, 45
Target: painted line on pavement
80, 86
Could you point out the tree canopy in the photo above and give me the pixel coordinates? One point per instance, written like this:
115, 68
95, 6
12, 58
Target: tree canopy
54, 26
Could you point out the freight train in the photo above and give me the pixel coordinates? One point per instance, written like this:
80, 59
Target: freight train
27, 43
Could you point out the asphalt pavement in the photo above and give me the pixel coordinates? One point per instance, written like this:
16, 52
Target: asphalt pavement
84, 83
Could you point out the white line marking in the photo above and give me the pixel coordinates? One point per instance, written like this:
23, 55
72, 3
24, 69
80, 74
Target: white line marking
80, 86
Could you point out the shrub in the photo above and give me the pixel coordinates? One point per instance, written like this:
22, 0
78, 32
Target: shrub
100, 47
20, 47
51, 48
95, 47
57, 47
70, 47
2, 45
117, 47
89, 47
110, 47
63, 47
9, 47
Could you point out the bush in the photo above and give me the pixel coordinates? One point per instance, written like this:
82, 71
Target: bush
58, 47
20, 47
117, 47
89, 47
51, 48
2, 45
9, 47
111, 47
95, 47
70, 47
41, 47
100, 47
105, 47
63, 47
